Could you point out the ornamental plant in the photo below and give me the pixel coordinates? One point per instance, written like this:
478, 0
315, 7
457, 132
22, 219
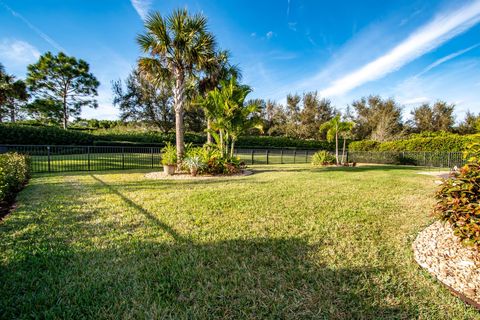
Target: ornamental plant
323, 158
458, 200
169, 155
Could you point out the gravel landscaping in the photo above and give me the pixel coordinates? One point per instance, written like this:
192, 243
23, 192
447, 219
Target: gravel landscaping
439, 251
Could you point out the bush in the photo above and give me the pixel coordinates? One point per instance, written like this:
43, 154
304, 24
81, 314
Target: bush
459, 204
19, 134
14, 173
323, 158
364, 145
169, 155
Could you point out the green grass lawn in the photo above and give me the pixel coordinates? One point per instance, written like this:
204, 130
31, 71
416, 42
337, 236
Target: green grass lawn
289, 242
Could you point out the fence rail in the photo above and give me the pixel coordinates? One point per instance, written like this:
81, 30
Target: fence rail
55, 158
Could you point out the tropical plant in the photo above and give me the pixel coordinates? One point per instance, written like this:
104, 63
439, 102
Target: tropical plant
178, 46
230, 115
322, 158
194, 164
169, 155
335, 128
65, 80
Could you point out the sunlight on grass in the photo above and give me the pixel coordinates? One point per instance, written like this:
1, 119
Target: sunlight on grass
289, 241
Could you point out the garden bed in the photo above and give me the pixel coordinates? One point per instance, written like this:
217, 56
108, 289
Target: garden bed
160, 175
440, 252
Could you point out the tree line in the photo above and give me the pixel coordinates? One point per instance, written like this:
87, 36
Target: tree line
180, 65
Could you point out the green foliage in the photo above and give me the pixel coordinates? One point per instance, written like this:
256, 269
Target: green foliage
364, 145
195, 164
440, 142
323, 158
459, 203
14, 172
29, 135
169, 155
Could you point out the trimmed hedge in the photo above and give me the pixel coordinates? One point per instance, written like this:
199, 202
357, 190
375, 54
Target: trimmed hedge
14, 173
447, 143
37, 135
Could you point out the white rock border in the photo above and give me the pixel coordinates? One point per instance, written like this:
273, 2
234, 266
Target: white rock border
160, 175
442, 254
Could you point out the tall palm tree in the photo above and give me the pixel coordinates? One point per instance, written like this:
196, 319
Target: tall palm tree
177, 46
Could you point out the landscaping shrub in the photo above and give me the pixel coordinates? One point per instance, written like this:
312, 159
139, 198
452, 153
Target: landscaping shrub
446, 142
35, 135
459, 201
14, 172
323, 158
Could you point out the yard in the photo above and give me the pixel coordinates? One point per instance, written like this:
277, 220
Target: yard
289, 241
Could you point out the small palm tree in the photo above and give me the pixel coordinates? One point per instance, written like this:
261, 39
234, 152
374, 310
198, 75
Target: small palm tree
334, 128
178, 46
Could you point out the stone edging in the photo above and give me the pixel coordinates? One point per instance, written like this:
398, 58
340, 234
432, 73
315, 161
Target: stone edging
441, 253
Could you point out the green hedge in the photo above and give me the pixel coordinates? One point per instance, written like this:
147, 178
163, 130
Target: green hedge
36, 135
14, 172
445, 142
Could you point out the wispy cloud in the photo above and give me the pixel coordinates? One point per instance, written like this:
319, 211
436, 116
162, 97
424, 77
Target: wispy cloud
142, 7
445, 59
18, 53
39, 32
269, 34
421, 41
415, 101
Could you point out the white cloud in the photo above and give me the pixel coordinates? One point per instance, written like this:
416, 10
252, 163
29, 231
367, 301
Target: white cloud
142, 7
426, 38
17, 53
39, 32
415, 101
270, 34
446, 58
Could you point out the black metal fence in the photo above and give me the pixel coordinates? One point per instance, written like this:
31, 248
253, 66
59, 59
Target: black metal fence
94, 158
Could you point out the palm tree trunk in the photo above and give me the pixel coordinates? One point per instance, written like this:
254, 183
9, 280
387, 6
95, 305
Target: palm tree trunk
178, 101
209, 135
65, 110
343, 151
336, 145
232, 150
221, 141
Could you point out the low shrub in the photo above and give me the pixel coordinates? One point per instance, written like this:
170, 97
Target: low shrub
14, 173
323, 158
458, 200
169, 155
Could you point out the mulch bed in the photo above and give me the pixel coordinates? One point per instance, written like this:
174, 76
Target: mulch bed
185, 176
442, 254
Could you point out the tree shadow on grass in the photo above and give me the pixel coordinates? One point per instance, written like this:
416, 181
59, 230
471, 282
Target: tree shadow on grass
273, 278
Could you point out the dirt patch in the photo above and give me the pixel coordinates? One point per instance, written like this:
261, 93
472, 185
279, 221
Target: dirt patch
439, 251
185, 176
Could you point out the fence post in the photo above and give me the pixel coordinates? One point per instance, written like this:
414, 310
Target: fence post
267, 152
306, 156
281, 156
253, 151
123, 158
151, 152
88, 158
294, 155
48, 157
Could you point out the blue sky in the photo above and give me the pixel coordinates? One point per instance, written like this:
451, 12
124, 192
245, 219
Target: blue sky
414, 51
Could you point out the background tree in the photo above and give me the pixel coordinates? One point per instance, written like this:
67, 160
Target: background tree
314, 113
177, 46
64, 80
45, 111
377, 119
13, 96
438, 117
140, 100
471, 124
293, 115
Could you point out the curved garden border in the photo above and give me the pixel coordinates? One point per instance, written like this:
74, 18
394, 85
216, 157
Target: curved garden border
441, 253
